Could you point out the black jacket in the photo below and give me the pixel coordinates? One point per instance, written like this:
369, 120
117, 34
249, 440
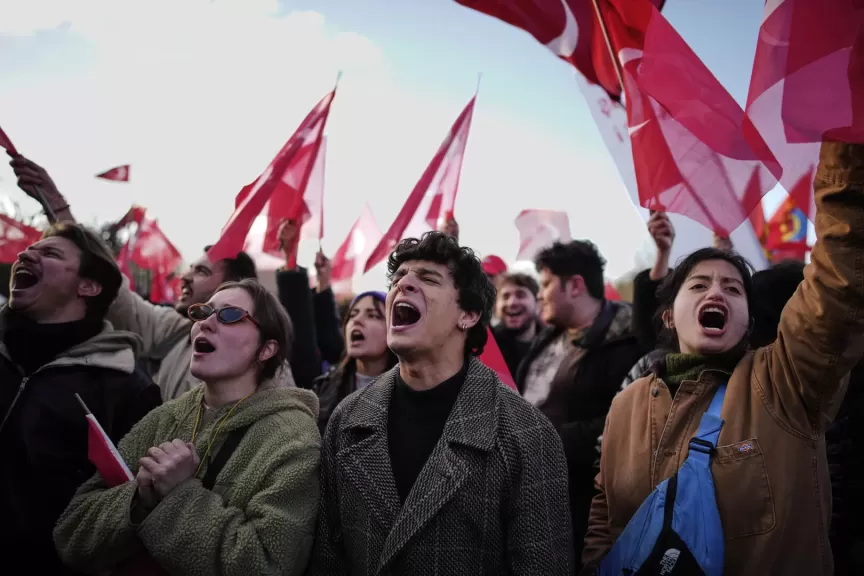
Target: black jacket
581, 395
43, 437
317, 336
331, 388
512, 349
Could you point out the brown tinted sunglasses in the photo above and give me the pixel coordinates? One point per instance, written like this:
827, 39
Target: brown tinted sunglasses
225, 315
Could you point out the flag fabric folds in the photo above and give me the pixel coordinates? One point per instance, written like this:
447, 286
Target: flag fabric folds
287, 175
351, 255
434, 196
539, 229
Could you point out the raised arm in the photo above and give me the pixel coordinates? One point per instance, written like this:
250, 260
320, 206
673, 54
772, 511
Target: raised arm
821, 332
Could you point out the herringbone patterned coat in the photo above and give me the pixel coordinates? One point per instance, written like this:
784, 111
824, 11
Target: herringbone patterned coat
492, 498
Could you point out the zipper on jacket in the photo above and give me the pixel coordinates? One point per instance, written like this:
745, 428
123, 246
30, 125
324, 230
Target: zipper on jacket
663, 433
14, 401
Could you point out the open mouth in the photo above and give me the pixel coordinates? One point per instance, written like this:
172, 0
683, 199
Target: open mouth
514, 313
23, 279
357, 336
404, 314
713, 319
203, 346
185, 291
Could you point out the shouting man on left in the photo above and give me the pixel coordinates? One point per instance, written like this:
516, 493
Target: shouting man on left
55, 343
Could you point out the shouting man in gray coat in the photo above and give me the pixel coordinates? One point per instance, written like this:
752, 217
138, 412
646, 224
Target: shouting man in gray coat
437, 467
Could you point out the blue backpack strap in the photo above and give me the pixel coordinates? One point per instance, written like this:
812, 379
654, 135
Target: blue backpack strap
702, 445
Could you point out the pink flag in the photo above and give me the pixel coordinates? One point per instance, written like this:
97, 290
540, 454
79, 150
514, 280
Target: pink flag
15, 237
434, 195
6, 143
355, 249
287, 174
118, 174
153, 251
103, 454
803, 84
539, 229
493, 359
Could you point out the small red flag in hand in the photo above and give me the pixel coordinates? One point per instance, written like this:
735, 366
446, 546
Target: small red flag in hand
103, 454
118, 174
6, 143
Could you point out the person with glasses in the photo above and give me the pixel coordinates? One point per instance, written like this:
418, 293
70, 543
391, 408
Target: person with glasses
226, 476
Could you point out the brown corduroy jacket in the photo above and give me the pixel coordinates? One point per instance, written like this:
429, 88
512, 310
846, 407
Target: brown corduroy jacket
770, 469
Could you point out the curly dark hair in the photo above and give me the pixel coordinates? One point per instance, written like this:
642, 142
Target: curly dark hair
671, 285
476, 292
576, 258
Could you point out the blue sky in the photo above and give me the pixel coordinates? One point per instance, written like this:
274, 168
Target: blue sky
198, 97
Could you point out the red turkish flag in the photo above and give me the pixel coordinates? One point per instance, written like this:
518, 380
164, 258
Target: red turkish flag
690, 155
118, 174
539, 229
15, 237
287, 173
354, 250
569, 28
493, 359
6, 143
434, 196
153, 251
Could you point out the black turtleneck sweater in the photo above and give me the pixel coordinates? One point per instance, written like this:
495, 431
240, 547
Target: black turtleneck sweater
32, 345
414, 425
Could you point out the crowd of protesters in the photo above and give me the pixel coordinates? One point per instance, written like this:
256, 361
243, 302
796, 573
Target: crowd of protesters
273, 434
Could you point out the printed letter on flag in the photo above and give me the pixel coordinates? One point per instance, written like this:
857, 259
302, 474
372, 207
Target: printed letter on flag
434, 195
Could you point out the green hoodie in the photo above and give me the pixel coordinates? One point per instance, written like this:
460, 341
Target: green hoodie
259, 518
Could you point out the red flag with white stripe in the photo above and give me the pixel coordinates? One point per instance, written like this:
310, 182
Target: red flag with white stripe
117, 174
355, 249
103, 454
539, 229
434, 196
282, 181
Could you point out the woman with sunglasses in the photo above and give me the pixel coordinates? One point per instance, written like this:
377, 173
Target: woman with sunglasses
226, 476
366, 354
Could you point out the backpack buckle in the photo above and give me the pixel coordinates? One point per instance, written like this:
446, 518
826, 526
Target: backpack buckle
701, 445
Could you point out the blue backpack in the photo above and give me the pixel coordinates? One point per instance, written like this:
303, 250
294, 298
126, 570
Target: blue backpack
677, 529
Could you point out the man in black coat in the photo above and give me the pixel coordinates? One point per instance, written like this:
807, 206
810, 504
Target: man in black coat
437, 467
55, 343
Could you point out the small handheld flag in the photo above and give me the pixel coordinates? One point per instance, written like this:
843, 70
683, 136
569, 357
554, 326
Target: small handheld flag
117, 174
102, 453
